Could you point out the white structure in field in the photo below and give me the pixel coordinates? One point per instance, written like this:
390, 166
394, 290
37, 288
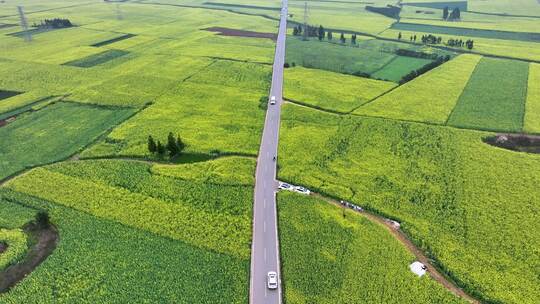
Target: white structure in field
418, 268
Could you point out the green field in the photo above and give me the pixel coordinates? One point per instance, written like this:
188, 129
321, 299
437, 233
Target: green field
331, 91
434, 180
129, 214
468, 32
370, 57
399, 67
532, 108
437, 90
53, 133
334, 256
211, 113
494, 98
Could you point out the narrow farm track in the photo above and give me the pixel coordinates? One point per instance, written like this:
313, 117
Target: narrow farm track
46, 241
417, 252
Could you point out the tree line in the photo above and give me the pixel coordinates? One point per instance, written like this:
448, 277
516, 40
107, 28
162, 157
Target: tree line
53, 23
320, 33
413, 74
174, 146
432, 39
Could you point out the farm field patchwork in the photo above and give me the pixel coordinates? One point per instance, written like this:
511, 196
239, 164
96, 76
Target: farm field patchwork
434, 181
369, 57
135, 226
329, 90
98, 260
508, 48
210, 117
199, 214
60, 130
532, 108
331, 255
494, 98
438, 90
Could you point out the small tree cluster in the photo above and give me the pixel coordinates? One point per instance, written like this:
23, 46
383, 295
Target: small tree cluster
460, 43
454, 15
431, 39
312, 31
174, 145
297, 30
54, 23
321, 33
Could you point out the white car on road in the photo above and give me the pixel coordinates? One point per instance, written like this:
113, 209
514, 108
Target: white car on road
273, 100
302, 190
272, 280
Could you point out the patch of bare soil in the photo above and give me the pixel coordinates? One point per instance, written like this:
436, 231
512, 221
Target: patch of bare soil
46, 239
240, 33
515, 142
394, 228
4, 122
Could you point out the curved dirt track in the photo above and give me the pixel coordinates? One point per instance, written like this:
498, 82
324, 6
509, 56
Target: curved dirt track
47, 239
403, 239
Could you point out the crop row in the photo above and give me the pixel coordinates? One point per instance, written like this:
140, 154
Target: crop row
210, 230
532, 108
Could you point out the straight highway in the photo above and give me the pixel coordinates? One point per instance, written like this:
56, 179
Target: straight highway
265, 243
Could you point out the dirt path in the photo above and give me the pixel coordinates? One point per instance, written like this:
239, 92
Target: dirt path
403, 239
46, 241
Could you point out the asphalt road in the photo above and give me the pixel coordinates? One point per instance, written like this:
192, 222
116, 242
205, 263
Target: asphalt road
265, 244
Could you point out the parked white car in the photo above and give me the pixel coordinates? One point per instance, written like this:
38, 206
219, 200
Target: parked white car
273, 100
302, 190
272, 280
285, 186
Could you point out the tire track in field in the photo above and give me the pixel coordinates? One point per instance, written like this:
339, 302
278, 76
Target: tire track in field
399, 235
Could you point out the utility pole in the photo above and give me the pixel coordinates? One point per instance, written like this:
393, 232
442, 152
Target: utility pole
118, 12
305, 21
24, 24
